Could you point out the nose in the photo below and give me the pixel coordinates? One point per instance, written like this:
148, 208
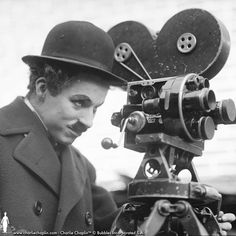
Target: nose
86, 118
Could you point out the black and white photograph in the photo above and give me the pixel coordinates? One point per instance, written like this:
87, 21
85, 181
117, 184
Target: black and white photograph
118, 117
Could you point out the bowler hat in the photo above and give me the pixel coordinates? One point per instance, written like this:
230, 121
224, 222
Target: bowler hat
82, 44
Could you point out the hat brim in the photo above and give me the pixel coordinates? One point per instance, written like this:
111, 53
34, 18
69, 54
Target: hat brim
111, 78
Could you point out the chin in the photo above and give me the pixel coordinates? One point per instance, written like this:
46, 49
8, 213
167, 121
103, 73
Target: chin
65, 140
68, 141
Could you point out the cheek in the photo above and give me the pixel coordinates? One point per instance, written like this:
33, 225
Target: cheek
66, 113
58, 113
55, 116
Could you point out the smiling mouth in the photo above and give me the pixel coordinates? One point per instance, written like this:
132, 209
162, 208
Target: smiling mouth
76, 133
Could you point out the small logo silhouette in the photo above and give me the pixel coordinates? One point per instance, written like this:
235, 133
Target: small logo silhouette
5, 222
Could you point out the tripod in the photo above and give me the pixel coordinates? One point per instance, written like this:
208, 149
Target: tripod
160, 203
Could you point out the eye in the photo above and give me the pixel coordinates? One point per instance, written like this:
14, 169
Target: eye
79, 103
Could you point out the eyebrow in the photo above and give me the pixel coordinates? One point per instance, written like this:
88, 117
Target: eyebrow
81, 96
85, 98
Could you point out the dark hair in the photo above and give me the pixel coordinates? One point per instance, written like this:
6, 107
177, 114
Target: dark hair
57, 76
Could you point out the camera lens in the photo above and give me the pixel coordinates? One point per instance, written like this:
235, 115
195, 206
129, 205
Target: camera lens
203, 99
148, 92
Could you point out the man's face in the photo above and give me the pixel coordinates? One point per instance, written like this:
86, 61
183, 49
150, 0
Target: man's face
71, 112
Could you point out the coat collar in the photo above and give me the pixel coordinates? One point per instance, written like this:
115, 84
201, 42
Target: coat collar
18, 118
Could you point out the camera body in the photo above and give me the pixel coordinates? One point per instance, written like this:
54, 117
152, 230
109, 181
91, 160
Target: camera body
180, 106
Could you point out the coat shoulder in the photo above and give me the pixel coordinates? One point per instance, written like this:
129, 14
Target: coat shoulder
16, 118
4, 116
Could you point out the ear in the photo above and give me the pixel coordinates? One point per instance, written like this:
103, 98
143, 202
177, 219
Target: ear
40, 87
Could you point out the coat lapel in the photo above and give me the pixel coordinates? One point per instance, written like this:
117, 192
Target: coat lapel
36, 153
35, 150
73, 181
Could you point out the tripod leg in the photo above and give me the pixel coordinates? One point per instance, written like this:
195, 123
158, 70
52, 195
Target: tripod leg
125, 223
152, 225
190, 222
210, 222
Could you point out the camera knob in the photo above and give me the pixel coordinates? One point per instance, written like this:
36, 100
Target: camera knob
107, 143
136, 121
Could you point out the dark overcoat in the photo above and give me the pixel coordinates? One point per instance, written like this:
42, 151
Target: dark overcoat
37, 190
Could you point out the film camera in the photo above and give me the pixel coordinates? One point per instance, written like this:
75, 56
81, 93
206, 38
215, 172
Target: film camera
169, 118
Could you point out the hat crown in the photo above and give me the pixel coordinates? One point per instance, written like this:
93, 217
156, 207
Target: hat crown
81, 44
80, 41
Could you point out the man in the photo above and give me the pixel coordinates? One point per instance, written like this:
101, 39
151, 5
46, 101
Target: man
46, 185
